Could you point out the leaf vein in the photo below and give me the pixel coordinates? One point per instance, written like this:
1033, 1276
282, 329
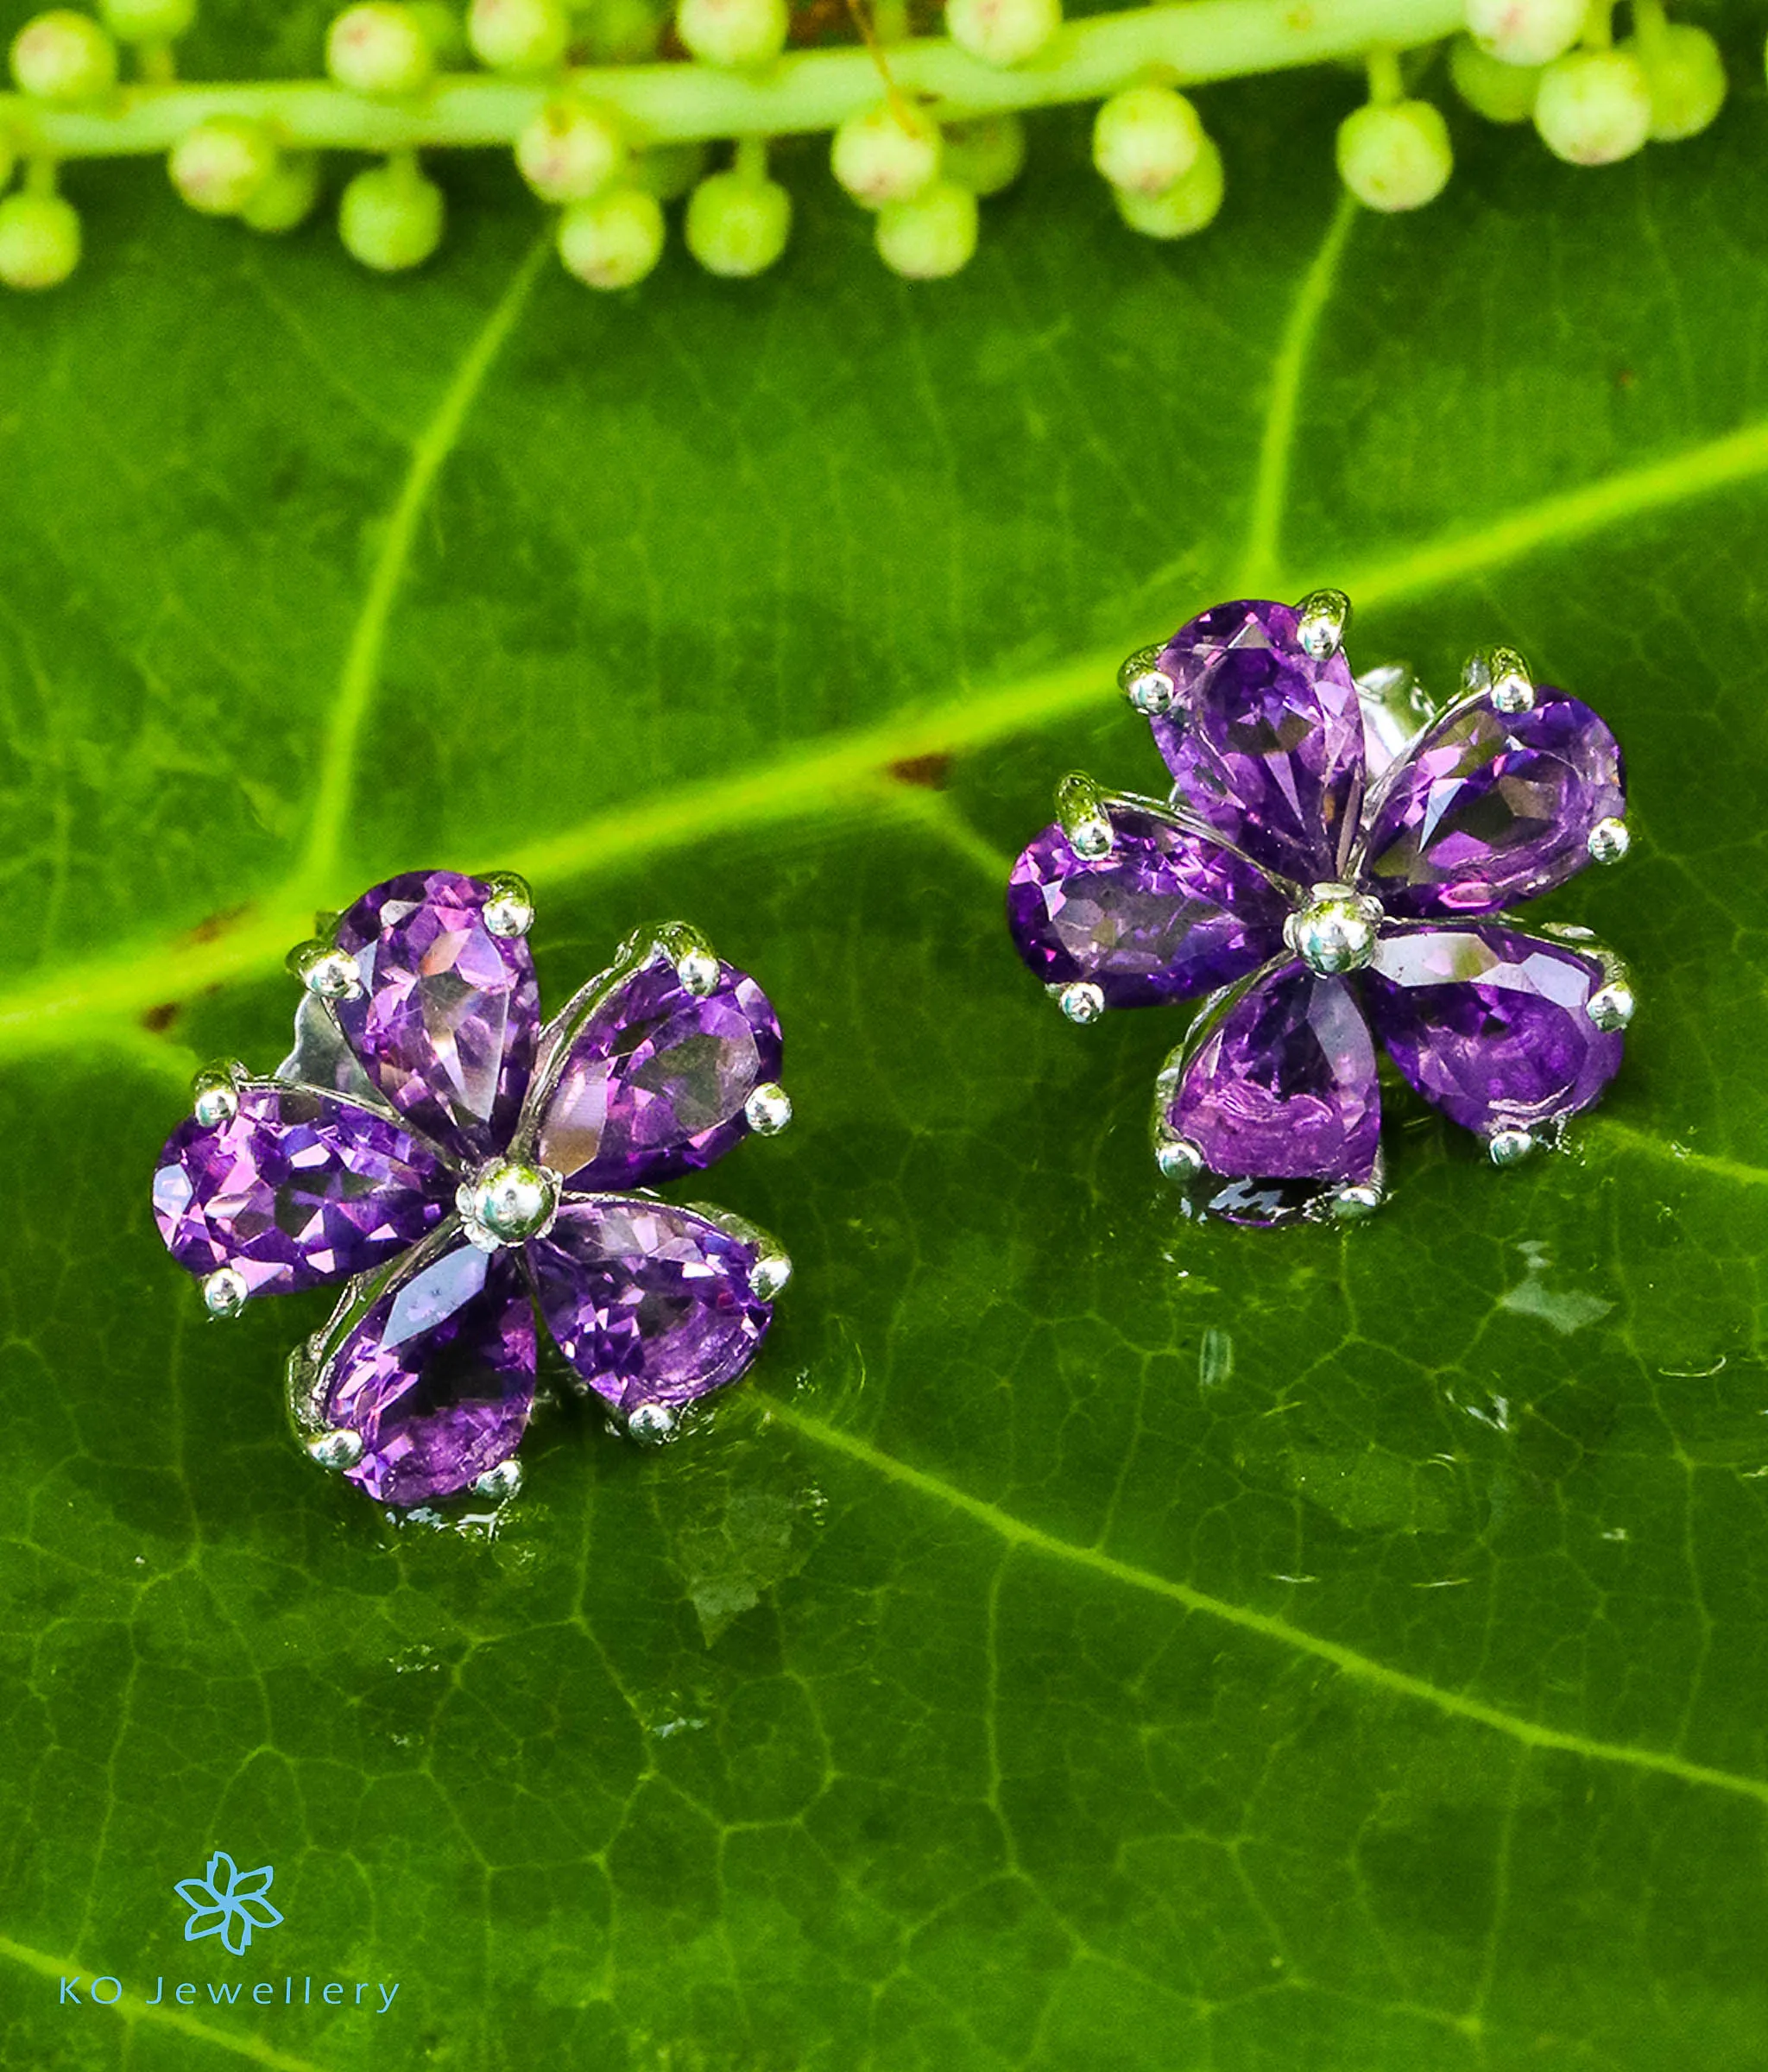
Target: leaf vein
1366, 1669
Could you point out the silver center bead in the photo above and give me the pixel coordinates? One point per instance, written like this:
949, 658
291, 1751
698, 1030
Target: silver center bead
507, 1201
1336, 928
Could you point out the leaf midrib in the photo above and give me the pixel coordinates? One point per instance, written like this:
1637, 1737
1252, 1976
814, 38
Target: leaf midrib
100, 998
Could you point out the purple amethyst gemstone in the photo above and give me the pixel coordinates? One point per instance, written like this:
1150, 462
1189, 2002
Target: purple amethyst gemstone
299, 1188
1492, 807
1265, 742
1491, 1025
446, 1022
1165, 916
653, 1083
438, 1378
1284, 1088
650, 1303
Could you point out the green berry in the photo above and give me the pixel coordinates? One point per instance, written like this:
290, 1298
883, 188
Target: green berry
932, 235
1146, 138
737, 33
379, 47
1526, 32
669, 171
613, 241
1593, 107
1501, 92
39, 241
570, 151
1190, 205
1687, 78
147, 20
221, 164
287, 199
1395, 155
887, 152
390, 217
64, 57
518, 36
1002, 32
986, 156
737, 224
444, 31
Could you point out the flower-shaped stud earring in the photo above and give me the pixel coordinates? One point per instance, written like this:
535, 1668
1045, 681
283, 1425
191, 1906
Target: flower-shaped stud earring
1323, 875
429, 1144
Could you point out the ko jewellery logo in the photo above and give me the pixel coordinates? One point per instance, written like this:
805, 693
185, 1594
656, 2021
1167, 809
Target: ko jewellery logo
228, 1902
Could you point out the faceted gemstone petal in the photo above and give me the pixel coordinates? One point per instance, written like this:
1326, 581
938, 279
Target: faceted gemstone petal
1167, 915
300, 1187
653, 1083
1491, 807
1282, 1089
438, 1378
650, 1303
1491, 1025
1265, 742
446, 1021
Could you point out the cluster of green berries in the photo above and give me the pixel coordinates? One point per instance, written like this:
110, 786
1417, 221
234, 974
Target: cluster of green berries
1553, 62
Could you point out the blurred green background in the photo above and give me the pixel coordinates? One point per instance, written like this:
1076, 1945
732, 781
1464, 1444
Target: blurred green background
1089, 1641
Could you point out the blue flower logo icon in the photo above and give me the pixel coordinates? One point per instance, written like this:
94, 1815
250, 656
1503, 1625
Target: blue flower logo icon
228, 1902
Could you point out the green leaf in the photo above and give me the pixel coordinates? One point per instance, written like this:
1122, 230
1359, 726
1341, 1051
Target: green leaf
1088, 1640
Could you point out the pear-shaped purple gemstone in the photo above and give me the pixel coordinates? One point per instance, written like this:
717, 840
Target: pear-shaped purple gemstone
1493, 1026
438, 1378
446, 1021
300, 1187
650, 1303
1166, 915
1283, 1089
1265, 742
653, 1083
1491, 807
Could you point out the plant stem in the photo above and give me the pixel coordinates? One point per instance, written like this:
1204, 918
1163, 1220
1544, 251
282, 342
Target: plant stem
1386, 83
1189, 42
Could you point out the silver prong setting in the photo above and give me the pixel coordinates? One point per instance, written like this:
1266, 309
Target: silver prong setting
1336, 930
214, 1095
327, 972
1148, 686
768, 1110
1082, 1001
1355, 1204
224, 1292
499, 1483
506, 1202
1611, 1006
652, 1424
695, 960
1505, 678
1608, 841
1178, 1158
1080, 812
509, 904
1510, 1146
698, 972
337, 1450
1322, 617
770, 1276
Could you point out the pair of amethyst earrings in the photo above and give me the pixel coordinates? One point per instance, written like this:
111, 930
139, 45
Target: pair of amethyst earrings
1322, 873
